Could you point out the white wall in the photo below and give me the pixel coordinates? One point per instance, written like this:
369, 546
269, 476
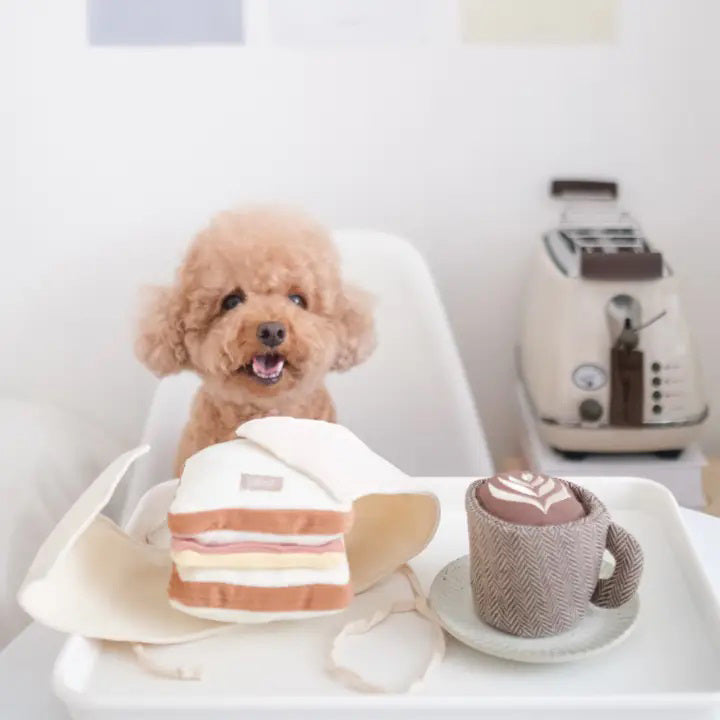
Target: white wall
111, 158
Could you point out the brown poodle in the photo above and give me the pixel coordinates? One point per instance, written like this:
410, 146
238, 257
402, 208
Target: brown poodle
259, 311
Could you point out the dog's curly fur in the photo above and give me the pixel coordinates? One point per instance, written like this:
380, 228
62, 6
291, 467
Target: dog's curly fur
263, 255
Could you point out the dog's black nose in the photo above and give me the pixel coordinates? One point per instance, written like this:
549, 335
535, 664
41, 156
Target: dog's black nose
271, 333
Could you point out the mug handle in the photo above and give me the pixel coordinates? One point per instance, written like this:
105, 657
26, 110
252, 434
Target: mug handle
616, 590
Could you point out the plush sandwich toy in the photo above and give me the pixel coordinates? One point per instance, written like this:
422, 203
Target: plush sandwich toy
253, 539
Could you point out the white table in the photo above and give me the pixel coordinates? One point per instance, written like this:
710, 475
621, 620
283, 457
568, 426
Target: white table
26, 664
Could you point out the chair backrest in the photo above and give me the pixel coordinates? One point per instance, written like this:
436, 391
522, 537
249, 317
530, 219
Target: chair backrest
410, 401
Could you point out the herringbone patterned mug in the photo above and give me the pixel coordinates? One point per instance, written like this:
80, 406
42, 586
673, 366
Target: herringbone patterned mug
539, 580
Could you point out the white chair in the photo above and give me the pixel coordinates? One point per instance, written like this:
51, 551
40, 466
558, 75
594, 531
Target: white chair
410, 402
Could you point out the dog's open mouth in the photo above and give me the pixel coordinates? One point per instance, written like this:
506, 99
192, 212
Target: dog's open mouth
266, 368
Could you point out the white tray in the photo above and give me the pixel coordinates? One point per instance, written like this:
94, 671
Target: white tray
668, 668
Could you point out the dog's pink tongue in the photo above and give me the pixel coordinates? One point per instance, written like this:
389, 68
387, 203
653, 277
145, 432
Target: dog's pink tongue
268, 366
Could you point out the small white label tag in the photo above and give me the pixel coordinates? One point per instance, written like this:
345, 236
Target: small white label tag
269, 483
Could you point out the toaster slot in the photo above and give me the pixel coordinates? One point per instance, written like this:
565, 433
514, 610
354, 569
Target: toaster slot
625, 265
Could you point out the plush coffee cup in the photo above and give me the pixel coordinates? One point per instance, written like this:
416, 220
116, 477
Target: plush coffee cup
531, 579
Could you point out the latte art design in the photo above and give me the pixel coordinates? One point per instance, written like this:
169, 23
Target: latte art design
536, 490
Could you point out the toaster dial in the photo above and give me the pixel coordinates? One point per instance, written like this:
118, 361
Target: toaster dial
590, 410
589, 377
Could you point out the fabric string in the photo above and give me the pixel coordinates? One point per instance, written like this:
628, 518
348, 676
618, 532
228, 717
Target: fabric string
350, 678
172, 672
419, 604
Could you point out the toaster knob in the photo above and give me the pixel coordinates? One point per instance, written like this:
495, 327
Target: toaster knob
590, 410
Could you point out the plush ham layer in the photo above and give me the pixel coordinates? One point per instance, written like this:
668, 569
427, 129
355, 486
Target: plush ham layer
318, 597
181, 543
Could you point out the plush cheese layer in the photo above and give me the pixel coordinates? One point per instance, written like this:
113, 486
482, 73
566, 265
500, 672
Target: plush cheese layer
212, 480
245, 560
261, 577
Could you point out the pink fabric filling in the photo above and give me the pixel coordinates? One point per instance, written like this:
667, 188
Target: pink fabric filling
179, 544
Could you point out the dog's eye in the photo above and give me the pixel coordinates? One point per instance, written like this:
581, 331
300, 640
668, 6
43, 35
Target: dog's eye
298, 300
233, 300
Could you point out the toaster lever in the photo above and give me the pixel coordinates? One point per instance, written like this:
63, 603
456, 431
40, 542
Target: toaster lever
651, 321
624, 313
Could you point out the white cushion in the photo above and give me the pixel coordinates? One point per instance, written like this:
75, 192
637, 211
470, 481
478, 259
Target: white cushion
49, 457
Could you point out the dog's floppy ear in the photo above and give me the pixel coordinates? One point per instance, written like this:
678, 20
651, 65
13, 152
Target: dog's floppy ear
355, 328
160, 340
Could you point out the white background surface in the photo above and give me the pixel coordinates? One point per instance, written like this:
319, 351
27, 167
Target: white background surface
112, 158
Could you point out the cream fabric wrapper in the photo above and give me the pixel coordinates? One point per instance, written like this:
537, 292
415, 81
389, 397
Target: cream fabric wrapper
92, 578
393, 520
